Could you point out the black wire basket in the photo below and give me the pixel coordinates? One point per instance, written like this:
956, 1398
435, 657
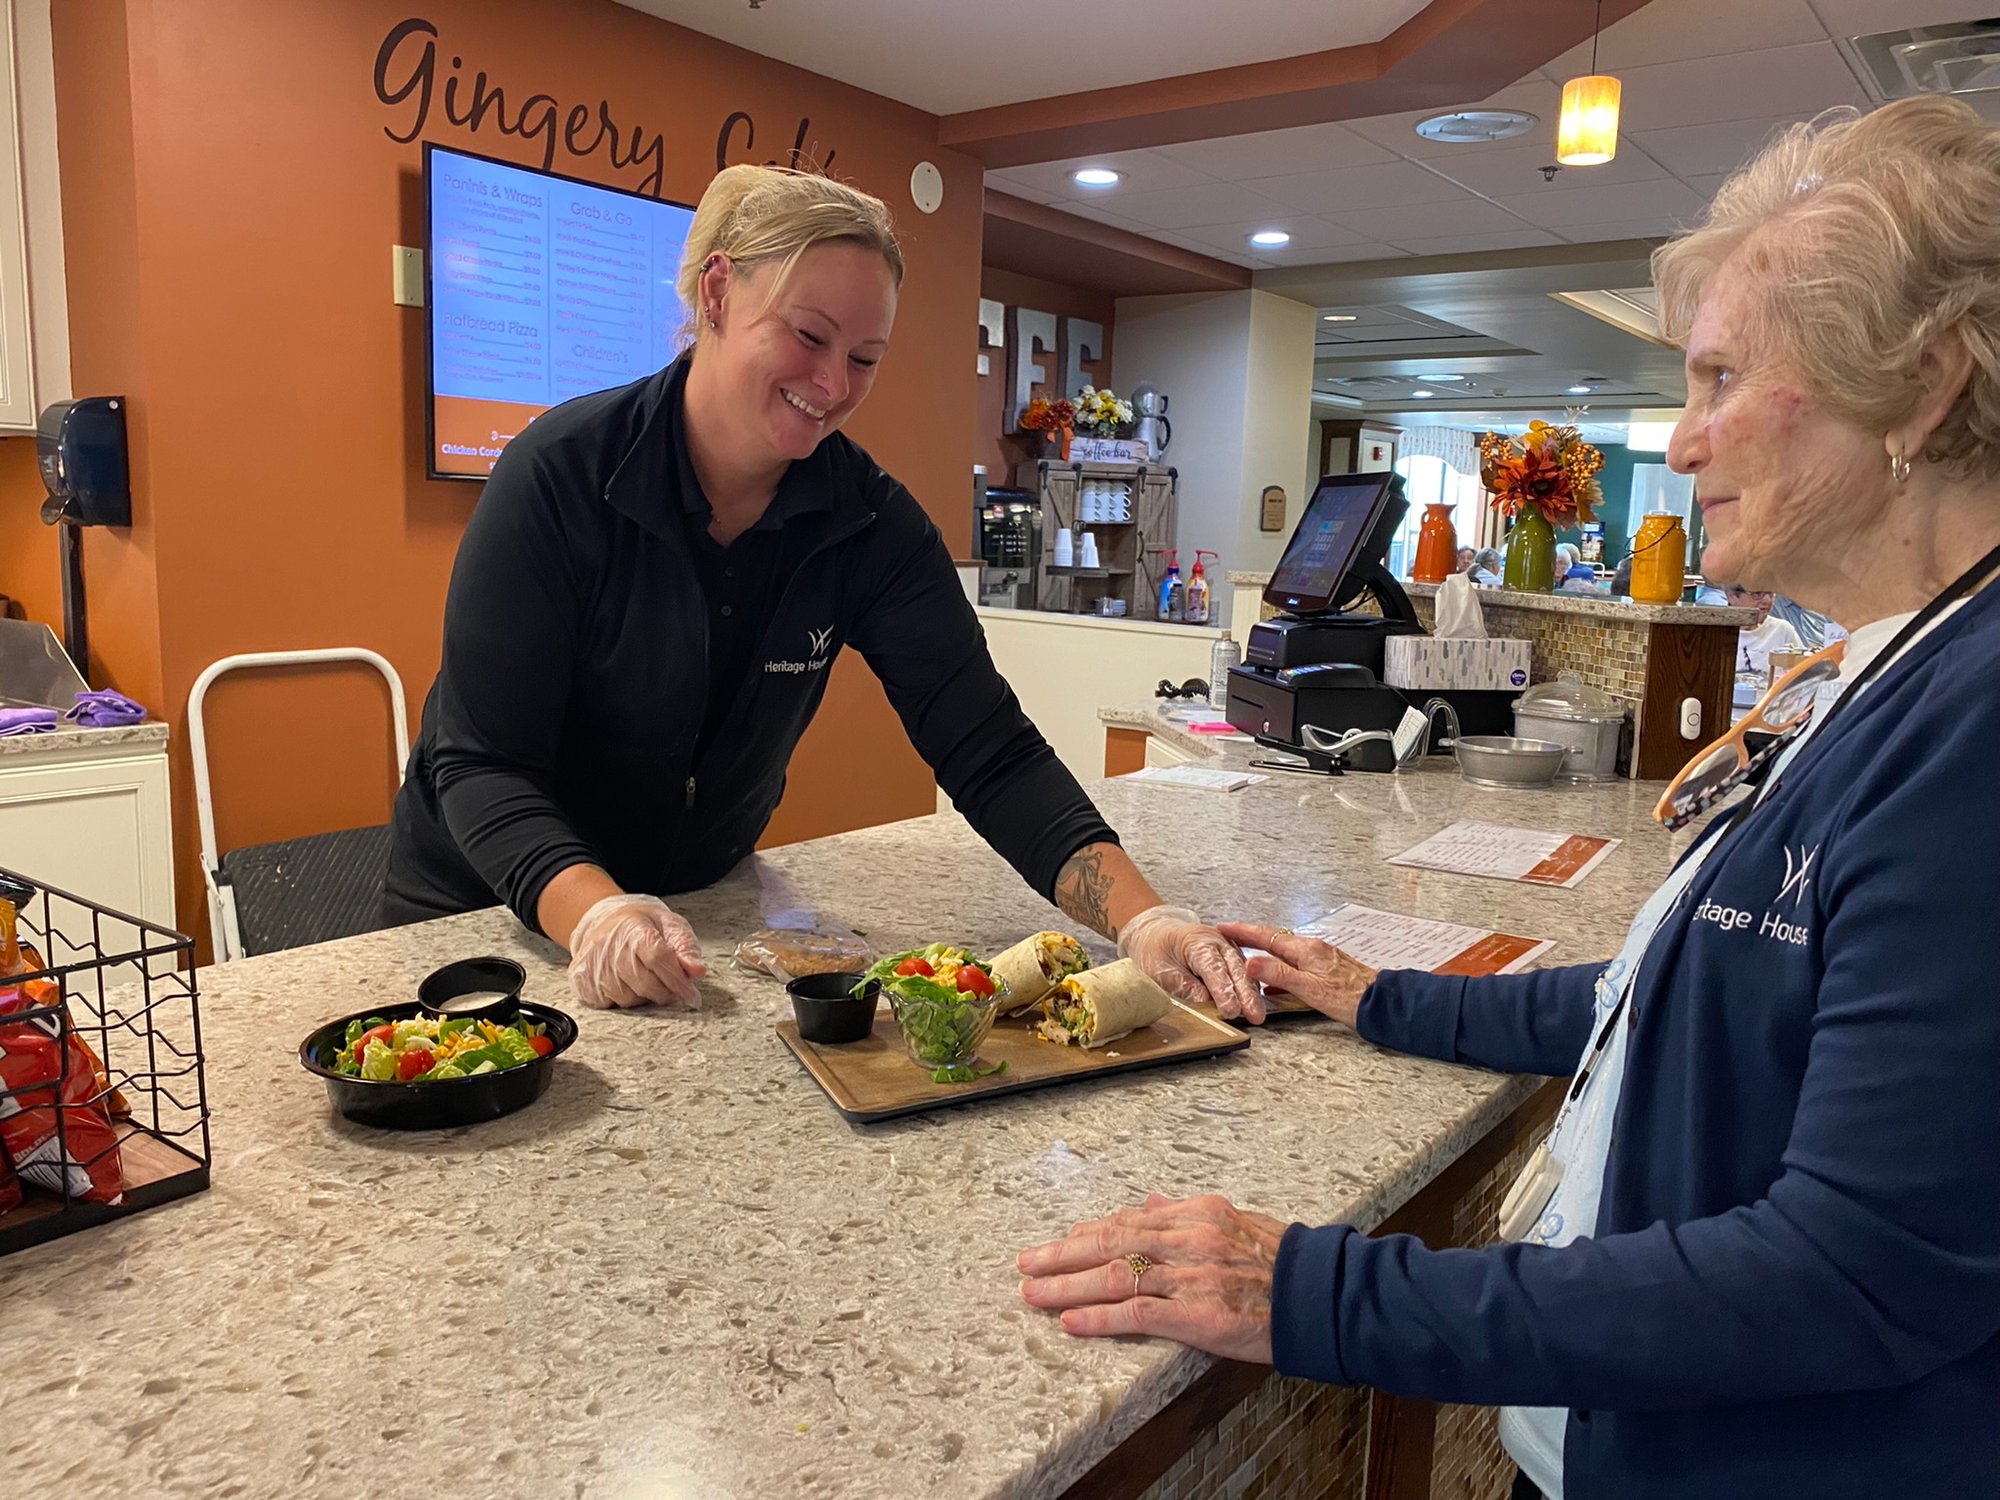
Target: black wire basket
103, 1100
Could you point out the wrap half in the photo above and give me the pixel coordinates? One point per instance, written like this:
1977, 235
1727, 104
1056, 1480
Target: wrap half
1032, 966
1101, 1005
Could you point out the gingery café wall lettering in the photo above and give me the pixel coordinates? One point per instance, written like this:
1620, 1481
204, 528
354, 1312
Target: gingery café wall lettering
409, 77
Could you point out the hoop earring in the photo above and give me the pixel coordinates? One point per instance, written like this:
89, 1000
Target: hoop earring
1899, 467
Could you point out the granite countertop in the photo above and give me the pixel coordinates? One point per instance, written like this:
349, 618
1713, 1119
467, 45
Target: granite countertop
681, 1272
1604, 607
1123, 623
126, 736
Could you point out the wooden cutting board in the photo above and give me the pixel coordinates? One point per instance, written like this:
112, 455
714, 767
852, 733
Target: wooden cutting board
875, 1078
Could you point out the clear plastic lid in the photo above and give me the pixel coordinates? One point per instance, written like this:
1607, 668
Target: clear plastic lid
34, 672
1570, 700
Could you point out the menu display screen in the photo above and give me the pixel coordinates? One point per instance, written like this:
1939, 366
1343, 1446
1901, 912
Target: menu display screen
1330, 539
541, 288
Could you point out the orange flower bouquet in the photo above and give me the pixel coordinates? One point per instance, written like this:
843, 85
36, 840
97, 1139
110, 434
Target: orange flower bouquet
1551, 469
1056, 419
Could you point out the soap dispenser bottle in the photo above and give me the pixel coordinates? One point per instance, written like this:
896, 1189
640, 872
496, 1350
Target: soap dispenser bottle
1171, 602
1197, 592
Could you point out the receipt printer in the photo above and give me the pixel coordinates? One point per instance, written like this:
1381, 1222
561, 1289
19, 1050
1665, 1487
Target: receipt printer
80, 446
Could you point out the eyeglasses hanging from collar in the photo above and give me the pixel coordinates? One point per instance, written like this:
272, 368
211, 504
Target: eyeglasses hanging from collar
1782, 713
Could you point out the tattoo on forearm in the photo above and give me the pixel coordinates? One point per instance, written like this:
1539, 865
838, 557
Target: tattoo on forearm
1083, 889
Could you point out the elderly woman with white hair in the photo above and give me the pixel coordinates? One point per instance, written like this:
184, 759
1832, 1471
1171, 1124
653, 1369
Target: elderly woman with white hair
1760, 1252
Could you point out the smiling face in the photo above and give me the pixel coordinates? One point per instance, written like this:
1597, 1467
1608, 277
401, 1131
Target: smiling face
790, 373
1785, 487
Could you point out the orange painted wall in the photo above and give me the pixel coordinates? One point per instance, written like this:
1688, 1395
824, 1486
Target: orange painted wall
28, 566
231, 193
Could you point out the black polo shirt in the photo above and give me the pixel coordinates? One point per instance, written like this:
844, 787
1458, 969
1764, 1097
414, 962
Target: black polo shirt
741, 583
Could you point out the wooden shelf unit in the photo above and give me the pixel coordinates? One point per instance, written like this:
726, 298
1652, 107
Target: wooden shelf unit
1132, 555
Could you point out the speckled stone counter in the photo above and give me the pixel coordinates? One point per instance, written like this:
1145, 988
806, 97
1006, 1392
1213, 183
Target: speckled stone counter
125, 739
681, 1273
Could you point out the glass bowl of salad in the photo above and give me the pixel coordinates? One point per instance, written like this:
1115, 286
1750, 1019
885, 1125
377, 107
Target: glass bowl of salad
944, 1000
406, 1067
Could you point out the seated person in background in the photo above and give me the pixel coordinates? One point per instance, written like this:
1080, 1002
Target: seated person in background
1485, 566
1709, 593
1756, 642
1621, 578
1570, 564
1465, 556
1811, 625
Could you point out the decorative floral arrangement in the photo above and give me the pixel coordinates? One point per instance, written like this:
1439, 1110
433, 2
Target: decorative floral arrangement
1056, 418
1551, 469
1101, 413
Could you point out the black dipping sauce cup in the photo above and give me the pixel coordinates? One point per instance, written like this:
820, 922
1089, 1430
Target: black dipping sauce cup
474, 987
827, 1011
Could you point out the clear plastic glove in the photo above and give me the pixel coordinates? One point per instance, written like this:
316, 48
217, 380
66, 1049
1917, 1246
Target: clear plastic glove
635, 950
1191, 961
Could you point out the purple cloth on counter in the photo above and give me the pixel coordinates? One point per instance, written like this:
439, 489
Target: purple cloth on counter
28, 720
105, 709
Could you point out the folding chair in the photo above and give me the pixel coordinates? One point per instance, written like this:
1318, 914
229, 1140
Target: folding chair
268, 897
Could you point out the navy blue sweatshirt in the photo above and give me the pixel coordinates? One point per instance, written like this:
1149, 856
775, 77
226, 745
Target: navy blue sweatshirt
1794, 1287
566, 723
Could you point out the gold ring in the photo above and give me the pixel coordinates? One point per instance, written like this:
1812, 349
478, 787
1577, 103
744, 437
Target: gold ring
1139, 1265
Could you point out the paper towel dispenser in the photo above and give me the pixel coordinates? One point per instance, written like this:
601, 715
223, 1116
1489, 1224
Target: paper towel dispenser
80, 446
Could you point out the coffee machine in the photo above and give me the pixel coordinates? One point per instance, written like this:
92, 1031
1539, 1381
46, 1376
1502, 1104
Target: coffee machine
1149, 407
1009, 528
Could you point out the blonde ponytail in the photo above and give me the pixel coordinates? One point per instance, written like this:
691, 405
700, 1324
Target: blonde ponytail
758, 214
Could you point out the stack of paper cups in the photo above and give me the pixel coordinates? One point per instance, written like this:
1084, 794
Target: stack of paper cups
1065, 549
1089, 558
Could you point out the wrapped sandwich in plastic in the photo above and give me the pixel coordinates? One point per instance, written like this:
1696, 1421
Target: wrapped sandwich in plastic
1034, 966
790, 953
1101, 1005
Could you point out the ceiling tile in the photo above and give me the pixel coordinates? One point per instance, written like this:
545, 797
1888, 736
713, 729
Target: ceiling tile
1099, 214
1537, 96
1307, 233
1000, 183
1861, 17
1775, 81
1557, 208
1719, 148
1278, 153
1502, 170
1426, 221
1145, 172
1197, 203
1676, 30
1660, 228
1708, 187
1327, 255
1393, 184
1468, 244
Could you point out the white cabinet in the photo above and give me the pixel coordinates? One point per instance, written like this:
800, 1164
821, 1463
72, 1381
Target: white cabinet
91, 819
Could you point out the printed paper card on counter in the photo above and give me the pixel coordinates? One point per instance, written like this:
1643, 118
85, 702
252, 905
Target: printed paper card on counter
1533, 855
1390, 940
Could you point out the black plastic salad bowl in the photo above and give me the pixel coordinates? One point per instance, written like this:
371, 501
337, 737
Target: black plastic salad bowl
436, 1104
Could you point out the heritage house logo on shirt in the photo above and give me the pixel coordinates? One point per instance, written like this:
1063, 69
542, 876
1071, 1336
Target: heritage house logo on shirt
1771, 925
816, 660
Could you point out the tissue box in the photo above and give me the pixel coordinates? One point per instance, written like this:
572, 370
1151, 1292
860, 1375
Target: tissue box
1426, 664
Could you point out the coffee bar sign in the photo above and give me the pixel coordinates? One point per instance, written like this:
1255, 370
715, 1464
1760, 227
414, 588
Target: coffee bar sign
1041, 350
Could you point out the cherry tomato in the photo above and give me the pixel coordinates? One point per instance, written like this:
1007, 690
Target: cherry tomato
542, 1045
972, 981
381, 1034
413, 1064
911, 966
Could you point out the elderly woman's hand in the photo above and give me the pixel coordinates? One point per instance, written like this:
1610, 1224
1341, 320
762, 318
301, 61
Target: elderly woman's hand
1316, 972
1205, 1280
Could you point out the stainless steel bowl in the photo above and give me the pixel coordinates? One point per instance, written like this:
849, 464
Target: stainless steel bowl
1503, 760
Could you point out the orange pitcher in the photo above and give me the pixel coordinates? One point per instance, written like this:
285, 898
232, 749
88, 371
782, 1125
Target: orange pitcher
1659, 559
1437, 546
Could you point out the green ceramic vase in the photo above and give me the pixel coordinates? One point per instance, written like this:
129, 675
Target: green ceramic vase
1531, 553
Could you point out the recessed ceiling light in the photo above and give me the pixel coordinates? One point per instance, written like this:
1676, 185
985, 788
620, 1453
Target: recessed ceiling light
1096, 177
1270, 239
1423, 395
1581, 390
1477, 126
1438, 378
1337, 317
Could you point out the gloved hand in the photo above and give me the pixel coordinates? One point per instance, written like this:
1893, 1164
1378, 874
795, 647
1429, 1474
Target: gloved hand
635, 950
1191, 961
